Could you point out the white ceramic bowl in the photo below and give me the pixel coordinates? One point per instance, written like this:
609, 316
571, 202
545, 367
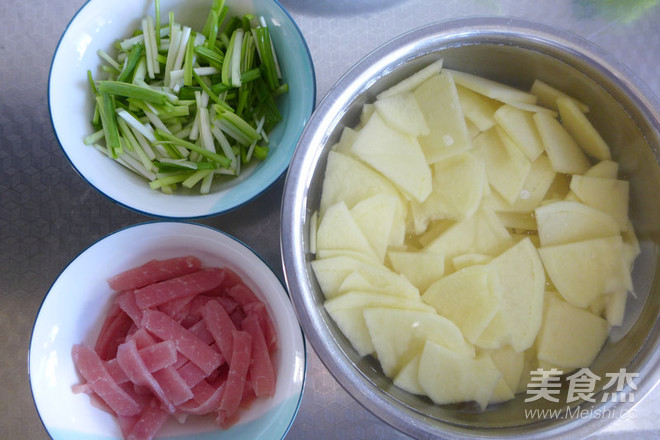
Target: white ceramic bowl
73, 310
97, 25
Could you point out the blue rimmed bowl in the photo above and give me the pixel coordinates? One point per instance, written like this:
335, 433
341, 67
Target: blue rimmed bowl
97, 25
80, 297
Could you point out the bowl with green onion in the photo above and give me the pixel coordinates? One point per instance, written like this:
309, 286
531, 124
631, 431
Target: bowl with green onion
181, 109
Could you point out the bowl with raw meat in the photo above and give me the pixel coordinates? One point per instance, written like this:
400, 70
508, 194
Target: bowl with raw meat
469, 232
167, 330
180, 109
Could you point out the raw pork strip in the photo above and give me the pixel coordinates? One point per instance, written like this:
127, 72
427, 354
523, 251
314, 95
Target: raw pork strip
206, 401
126, 301
155, 357
91, 367
176, 389
150, 422
180, 287
220, 325
153, 272
130, 361
112, 334
238, 368
262, 375
189, 345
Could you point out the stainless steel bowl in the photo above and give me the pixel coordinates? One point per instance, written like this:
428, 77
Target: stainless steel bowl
515, 52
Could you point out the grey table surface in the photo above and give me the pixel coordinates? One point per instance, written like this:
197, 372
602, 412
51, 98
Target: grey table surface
48, 214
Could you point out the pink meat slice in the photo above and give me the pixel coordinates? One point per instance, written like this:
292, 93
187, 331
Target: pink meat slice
130, 361
151, 421
112, 334
220, 326
231, 278
238, 368
261, 372
153, 272
92, 368
155, 357
175, 387
164, 327
126, 300
191, 374
268, 327
182, 286
206, 401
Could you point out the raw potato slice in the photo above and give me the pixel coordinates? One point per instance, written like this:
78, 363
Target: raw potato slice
449, 377
413, 81
547, 96
346, 140
379, 280
399, 335
458, 183
470, 298
605, 168
583, 270
563, 152
518, 220
396, 156
349, 180
536, 186
421, 268
438, 100
347, 312
407, 379
567, 222
402, 112
467, 260
615, 307
483, 233
507, 166
367, 111
375, 217
519, 125
491, 89
570, 337
331, 273
501, 393
607, 195
477, 108
510, 363
581, 129
522, 281
532, 108
338, 230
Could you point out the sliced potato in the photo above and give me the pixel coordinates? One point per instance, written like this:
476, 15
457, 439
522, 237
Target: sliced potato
469, 297
448, 135
331, 273
477, 108
347, 312
421, 268
567, 222
450, 377
413, 81
407, 378
607, 195
396, 156
519, 125
547, 96
351, 181
581, 129
563, 151
583, 270
570, 337
398, 335
510, 363
605, 168
492, 89
522, 281
507, 166
338, 230
376, 217
483, 233
402, 112
458, 183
